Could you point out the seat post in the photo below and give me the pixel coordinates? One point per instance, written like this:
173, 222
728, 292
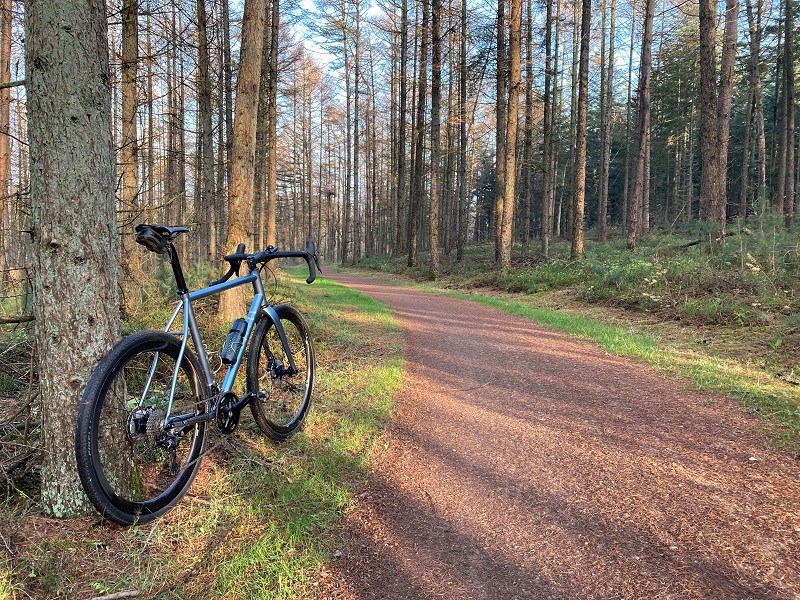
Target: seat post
177, 271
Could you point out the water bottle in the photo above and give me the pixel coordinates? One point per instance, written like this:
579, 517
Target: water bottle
230, 349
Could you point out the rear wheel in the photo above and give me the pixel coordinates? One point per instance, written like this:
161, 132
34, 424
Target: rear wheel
132, 468
282, 394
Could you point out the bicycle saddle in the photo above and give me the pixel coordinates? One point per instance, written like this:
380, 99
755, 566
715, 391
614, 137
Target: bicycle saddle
157, 238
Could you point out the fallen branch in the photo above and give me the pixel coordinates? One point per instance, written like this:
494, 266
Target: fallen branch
723, 236
15, 320
117, 595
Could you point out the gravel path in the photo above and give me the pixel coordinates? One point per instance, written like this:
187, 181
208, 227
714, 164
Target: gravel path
522, 463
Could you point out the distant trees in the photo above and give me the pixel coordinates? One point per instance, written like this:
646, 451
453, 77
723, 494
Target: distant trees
420, 98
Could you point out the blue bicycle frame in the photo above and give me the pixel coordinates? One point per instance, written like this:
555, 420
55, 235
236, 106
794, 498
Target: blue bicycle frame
258, 307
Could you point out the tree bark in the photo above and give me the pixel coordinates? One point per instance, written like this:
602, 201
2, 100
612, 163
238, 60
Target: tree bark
527, 211
709, 149
271, 230
628, 104
436, 140
419, 153
547, 138
244, 142
501, 128
401, 133
357, 135
72, 221
5, 118
645, 70
725, 91
580, 145
606, 113
754, 26
506, 216
787, 119
204, 212
463, 207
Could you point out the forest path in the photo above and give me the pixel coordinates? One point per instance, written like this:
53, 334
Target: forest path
523, 463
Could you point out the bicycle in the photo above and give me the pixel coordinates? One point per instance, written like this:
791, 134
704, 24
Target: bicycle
141, 427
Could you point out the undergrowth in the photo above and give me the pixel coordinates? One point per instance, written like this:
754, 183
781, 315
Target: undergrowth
261, 518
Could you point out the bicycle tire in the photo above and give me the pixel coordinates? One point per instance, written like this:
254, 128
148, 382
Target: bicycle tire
280, 400
128, 473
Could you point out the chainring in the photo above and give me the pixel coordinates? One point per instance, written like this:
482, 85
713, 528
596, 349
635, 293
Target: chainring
227, 417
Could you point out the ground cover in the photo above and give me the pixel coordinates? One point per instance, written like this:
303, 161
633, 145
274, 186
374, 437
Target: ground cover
259, 520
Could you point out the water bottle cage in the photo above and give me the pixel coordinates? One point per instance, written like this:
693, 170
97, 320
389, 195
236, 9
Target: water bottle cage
230, 349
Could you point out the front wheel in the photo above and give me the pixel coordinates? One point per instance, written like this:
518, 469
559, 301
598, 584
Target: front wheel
132, 467
281, 394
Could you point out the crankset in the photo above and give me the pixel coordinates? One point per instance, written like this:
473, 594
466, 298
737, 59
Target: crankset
228, 411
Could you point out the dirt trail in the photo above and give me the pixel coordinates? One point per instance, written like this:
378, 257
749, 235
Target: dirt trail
524, 464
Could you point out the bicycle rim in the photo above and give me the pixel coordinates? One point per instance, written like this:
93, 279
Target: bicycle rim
140, 470
281, 397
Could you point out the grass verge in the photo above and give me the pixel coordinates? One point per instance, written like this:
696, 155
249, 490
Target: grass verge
261, 519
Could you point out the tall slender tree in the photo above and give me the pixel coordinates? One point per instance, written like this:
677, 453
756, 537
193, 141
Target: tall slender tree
580, 143
606, 116
755, 30
643, 109
548, 176
418, 178
436, 140
205, 184
506, 215
6, 16
129, 152
244, 140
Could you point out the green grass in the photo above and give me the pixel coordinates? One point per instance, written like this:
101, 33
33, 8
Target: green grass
261, 518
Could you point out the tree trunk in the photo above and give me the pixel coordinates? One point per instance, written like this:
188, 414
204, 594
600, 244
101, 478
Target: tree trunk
718, 210
346, 222
436, 100
357, 136
754, 26
573, 123
787, 120
463, 207
506, 216
501, 127
547, 138
709, 149
227, 80
73, 224
527, 212
204, 212
5, 119
606, 114
129, 151
244, 143
419, 153
401, 132
271, 230
744, 191
645, 69
627, 176
580, 145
